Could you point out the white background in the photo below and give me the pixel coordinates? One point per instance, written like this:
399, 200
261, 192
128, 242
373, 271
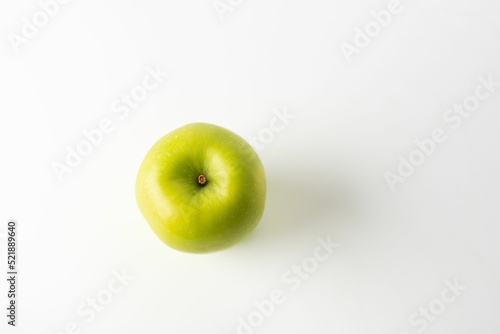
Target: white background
325, 169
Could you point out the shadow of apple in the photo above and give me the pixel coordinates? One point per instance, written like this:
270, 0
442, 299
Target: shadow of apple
303, 202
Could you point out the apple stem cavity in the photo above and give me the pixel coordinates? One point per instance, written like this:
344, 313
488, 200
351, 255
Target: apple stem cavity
202, 180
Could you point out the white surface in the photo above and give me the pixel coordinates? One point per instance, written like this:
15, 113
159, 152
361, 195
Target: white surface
325, 169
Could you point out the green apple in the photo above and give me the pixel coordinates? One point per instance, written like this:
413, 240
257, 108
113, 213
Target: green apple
201, 188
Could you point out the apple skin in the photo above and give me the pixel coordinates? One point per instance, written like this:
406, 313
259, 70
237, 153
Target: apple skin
192, 217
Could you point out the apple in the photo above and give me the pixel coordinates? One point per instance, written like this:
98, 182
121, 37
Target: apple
201, 188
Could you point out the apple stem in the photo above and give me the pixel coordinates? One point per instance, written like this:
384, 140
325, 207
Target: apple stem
202, 180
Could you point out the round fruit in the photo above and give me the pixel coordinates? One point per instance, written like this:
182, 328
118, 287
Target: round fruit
202, 188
